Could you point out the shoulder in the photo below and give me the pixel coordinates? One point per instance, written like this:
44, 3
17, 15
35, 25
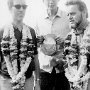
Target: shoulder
62, 13
87, 31
31, 29
1, 32
5, 29
88, 28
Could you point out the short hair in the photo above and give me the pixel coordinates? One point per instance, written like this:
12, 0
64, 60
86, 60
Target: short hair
10, 3
82, 6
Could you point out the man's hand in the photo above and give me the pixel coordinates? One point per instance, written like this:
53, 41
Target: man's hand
75, 79
40, 39
60, 41
53, 62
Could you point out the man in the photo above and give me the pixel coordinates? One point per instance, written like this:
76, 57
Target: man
18, 51
77, 45
54, 22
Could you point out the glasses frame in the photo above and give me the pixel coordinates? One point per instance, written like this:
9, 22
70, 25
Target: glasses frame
18, 6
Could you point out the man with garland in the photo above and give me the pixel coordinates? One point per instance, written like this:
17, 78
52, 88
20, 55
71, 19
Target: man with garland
77, 46
18, 51
52, 23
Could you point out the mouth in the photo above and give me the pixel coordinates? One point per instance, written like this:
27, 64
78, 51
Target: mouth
51, 5
72, 21
20, 14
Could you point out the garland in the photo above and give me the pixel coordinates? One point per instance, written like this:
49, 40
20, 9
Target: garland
73, 54
10, 51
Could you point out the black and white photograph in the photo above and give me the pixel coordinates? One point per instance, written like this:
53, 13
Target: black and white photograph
44, 45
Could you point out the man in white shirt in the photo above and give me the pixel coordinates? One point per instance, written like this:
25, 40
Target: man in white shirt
54, 21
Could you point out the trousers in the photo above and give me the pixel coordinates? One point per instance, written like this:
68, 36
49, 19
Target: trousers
54, 81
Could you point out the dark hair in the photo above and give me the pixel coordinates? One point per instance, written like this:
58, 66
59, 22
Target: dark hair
82, 6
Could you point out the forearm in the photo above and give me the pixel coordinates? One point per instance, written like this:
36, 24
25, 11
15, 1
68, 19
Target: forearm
37, 68
0, 63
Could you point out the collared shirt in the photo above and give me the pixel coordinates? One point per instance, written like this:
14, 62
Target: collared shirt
58, 26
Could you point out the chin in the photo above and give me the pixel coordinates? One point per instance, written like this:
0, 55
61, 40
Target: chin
73, 25
20, 19
51, 7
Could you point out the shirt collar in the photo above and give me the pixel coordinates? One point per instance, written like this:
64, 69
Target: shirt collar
59, 14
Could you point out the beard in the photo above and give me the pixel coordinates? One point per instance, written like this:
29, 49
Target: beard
75, 25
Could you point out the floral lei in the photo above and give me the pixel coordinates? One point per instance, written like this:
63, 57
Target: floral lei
9, 49
73, 54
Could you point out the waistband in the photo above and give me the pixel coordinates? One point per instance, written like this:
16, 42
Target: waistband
43, 71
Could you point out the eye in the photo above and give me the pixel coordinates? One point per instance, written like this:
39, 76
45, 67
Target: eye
67, 14
24, 6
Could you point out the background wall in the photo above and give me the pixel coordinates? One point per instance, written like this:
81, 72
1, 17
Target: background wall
34, 9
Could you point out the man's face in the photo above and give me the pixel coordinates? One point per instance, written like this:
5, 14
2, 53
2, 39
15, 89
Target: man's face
74, 15
51, 4
18, 9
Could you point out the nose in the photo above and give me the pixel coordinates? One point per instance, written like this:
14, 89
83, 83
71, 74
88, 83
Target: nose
21, 9
70, 16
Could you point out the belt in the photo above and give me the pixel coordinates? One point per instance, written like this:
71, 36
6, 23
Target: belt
42, 71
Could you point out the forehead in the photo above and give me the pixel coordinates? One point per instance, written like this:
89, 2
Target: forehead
73, 8
19, 2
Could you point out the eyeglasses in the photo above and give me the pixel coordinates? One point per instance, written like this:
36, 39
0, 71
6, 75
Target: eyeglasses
18, 6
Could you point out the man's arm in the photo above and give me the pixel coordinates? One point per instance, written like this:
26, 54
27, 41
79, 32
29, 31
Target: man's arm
37, 68
1, 35
36, 74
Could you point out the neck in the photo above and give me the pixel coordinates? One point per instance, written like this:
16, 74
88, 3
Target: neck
83, 25
52, 12
18, 24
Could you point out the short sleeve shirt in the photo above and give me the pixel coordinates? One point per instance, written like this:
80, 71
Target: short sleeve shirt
58, 26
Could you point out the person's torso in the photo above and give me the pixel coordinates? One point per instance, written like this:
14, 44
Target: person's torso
58, 26
4, 71
78, 40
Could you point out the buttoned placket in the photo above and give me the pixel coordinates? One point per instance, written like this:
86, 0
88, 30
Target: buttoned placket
52, 24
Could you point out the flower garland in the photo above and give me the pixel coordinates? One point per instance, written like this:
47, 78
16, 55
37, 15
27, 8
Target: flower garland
73, 55
9, 49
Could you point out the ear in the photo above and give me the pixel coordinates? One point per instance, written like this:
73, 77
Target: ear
84, 15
